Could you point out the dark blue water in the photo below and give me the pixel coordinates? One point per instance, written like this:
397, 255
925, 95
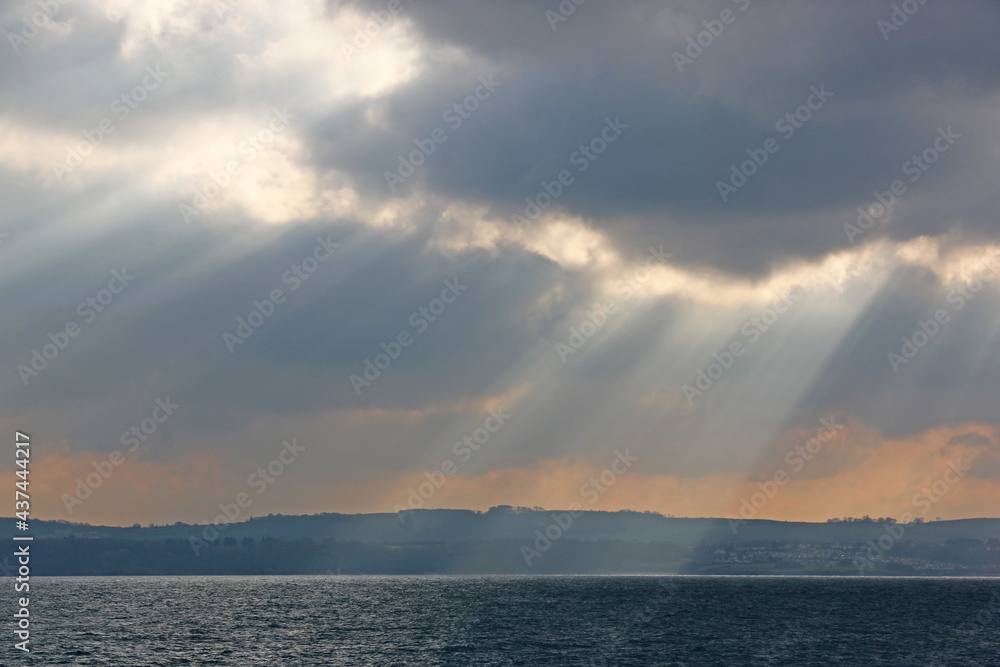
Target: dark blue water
366, 620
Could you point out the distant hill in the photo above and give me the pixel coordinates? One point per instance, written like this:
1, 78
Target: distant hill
510, 539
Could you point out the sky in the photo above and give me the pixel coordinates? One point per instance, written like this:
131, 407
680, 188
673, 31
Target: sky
723, 258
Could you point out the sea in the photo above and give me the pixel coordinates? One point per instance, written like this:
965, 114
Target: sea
510, 620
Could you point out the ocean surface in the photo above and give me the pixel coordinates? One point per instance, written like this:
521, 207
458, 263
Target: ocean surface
559, 620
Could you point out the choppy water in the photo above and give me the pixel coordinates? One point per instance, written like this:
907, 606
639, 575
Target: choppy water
367, 620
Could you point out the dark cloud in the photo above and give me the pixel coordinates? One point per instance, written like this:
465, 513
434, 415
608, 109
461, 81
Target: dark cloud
688, 128
655, 185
